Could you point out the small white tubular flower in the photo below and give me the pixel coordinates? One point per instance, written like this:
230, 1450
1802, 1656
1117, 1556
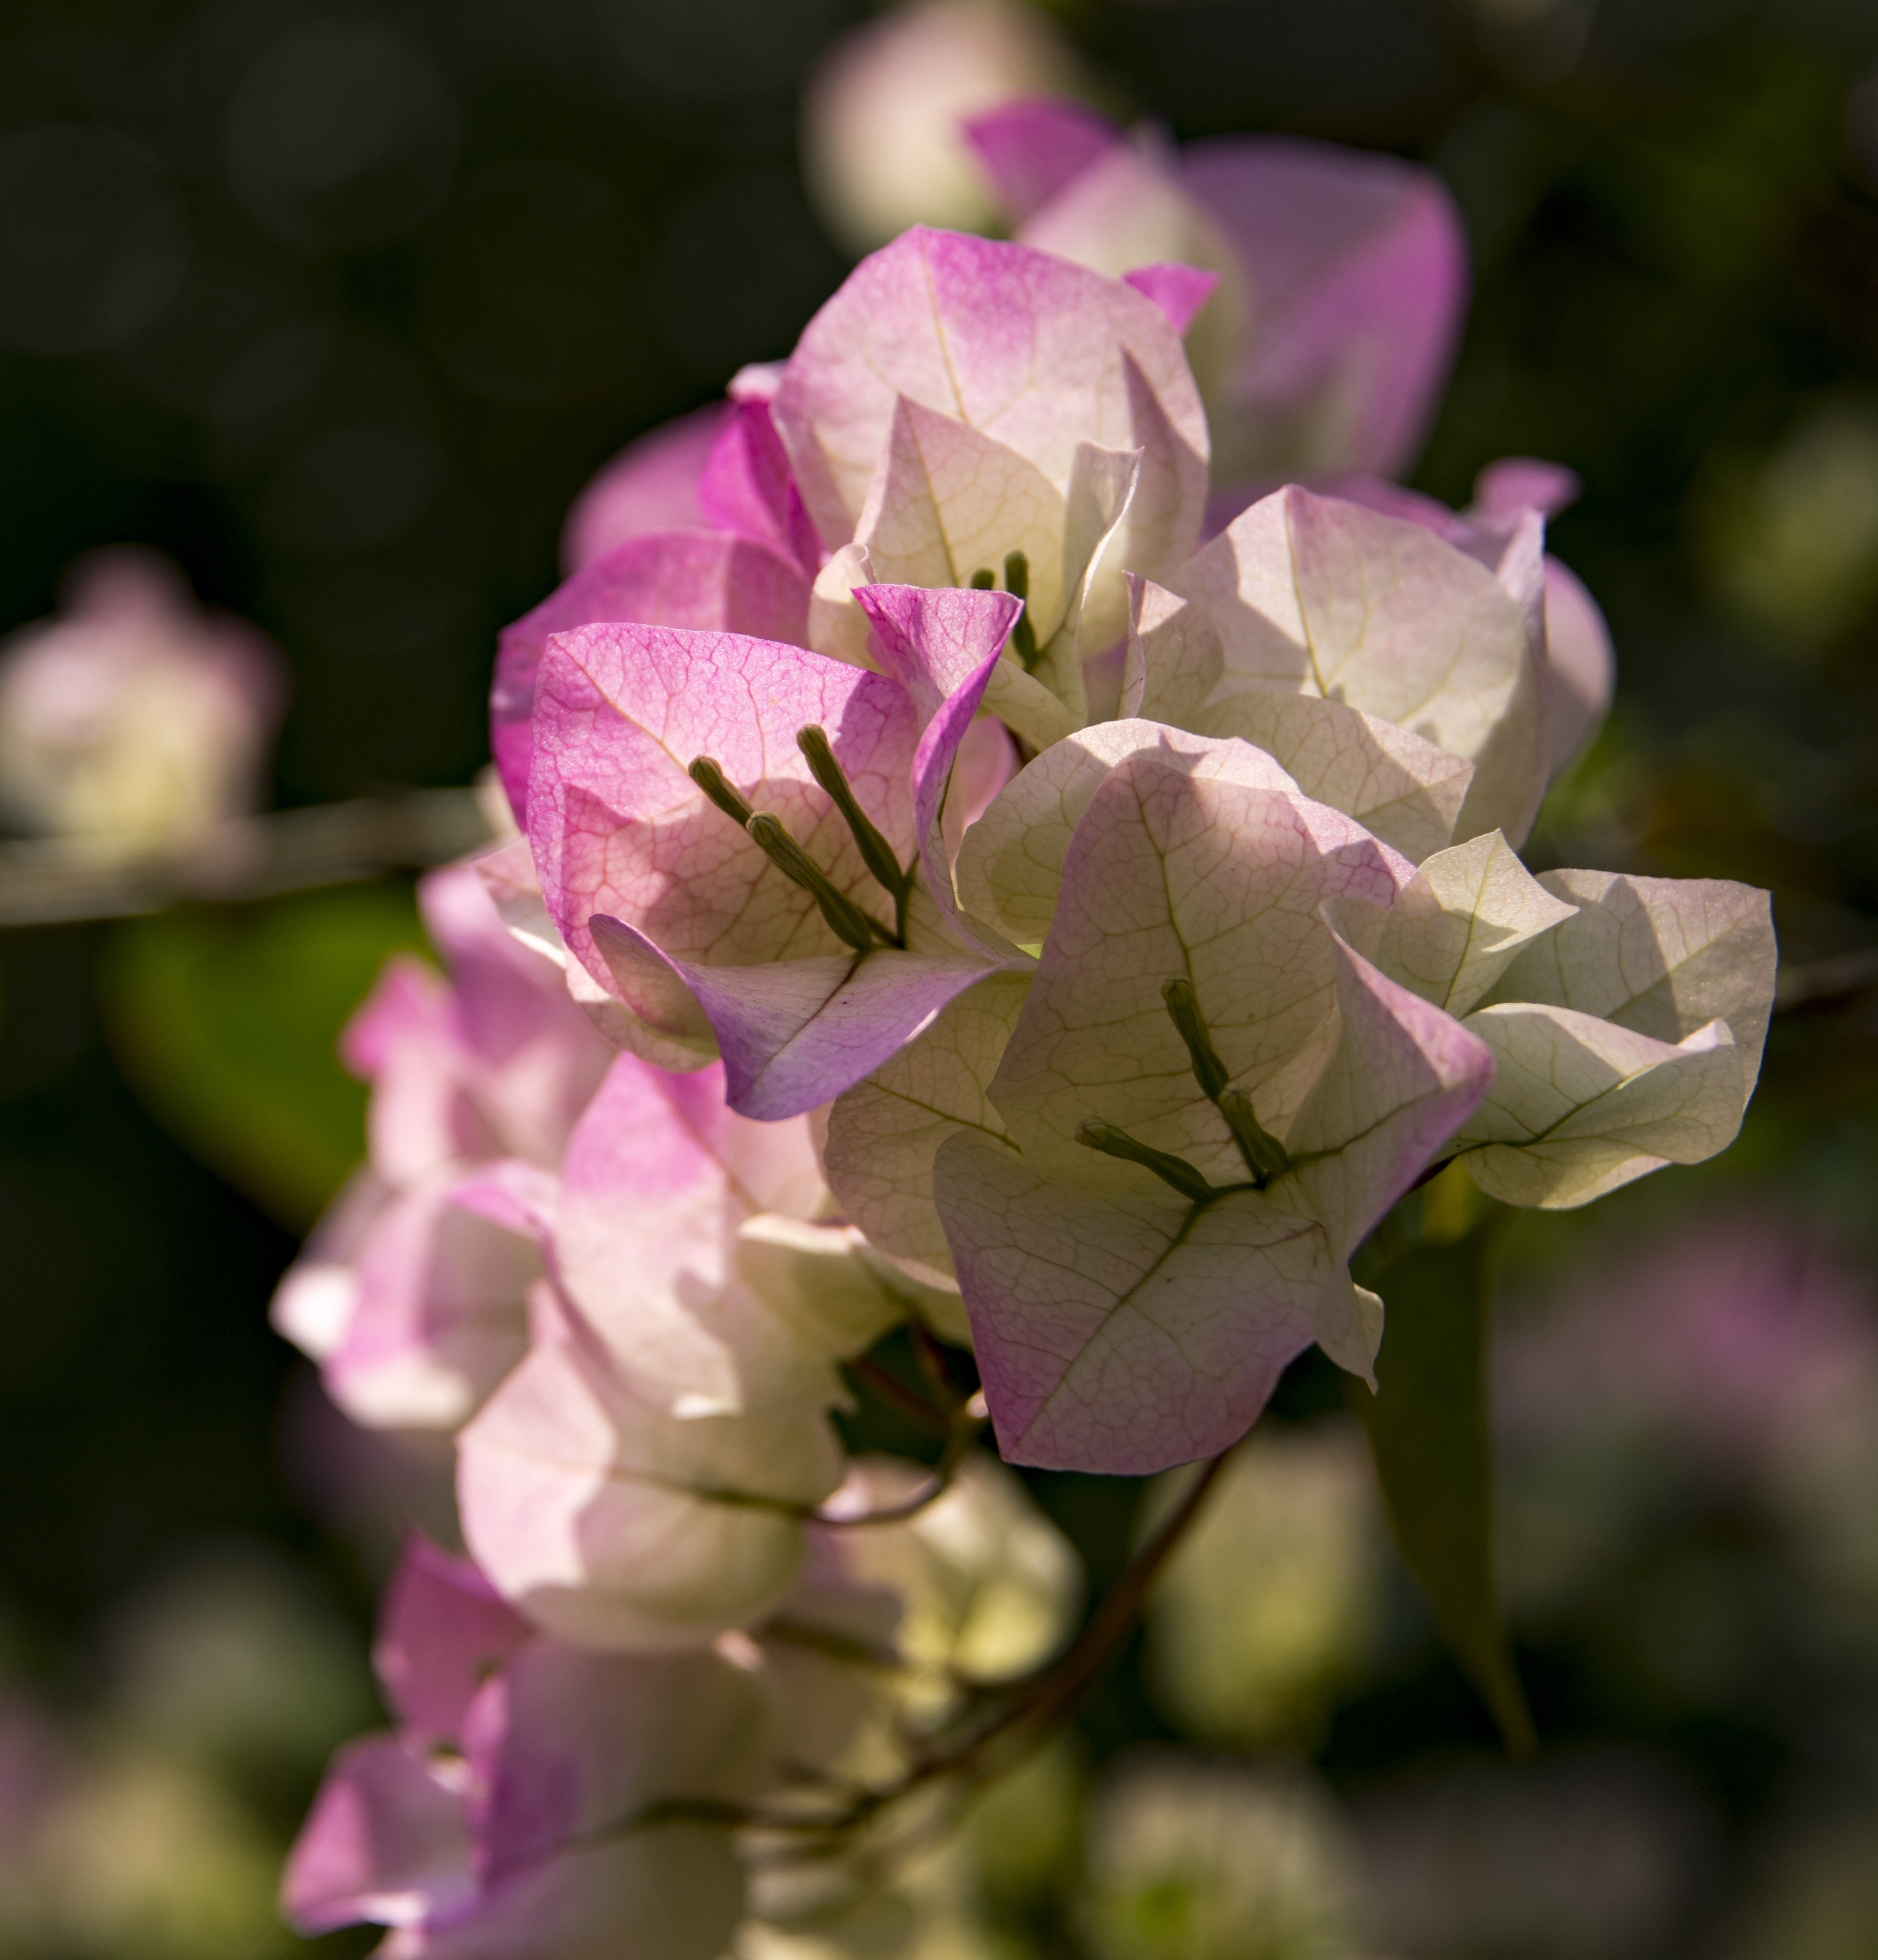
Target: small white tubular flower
883, 143
133, 720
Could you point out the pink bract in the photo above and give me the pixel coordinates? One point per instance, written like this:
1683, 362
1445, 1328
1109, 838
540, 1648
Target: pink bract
1038, 354
1351, 267
672, 907
652, 485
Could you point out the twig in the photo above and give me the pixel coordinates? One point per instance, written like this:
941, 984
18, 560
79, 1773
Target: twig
898, 1396
961, 1434
58, 881
1032, 1709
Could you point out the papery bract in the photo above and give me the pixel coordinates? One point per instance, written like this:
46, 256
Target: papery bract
411, 1292
1664, 956
1176, 874
650, 485
1120, 1332
880, 124
424, 1308
613, 1524
1629, 1036
1117, 1327
676, 908
707, 580
442, 1630
885, 1132
670, 1239
1458, 923
1580, 1106
535, 1842
1579, 655
1318, 596
1011, 865
620, 828
495, 1062
1037, 355
387, 1840
1402, 787
1347, 273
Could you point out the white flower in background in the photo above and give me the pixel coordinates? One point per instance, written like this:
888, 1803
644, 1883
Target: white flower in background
882, 130
133, 718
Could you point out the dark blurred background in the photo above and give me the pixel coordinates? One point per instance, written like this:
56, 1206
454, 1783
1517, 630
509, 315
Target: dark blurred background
340, 305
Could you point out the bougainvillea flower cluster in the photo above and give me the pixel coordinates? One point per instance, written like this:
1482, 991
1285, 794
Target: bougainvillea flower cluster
1020, 916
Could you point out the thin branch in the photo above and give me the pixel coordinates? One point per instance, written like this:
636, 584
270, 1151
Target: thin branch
58, 880
960, 1436
976, 1751
899, 1397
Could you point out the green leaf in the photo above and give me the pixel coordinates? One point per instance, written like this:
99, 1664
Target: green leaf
225, 1022
1427, 1426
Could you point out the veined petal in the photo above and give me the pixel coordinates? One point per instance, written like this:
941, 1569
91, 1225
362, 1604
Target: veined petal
1210, 880
1103, 484
1403, 1077
660, 1179
934, 642
712, 580
1660, 955
1011, 863
1465, 917
944, 646
1024, 346
1313, 595
1174, 658
948, 500
1398, 787
615, 1526
1580, 1106
885, 1132
620, 829
794, 1033
1117, 1332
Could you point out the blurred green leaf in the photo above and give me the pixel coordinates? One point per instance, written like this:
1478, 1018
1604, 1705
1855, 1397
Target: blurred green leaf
1427, 1426
225, 1022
